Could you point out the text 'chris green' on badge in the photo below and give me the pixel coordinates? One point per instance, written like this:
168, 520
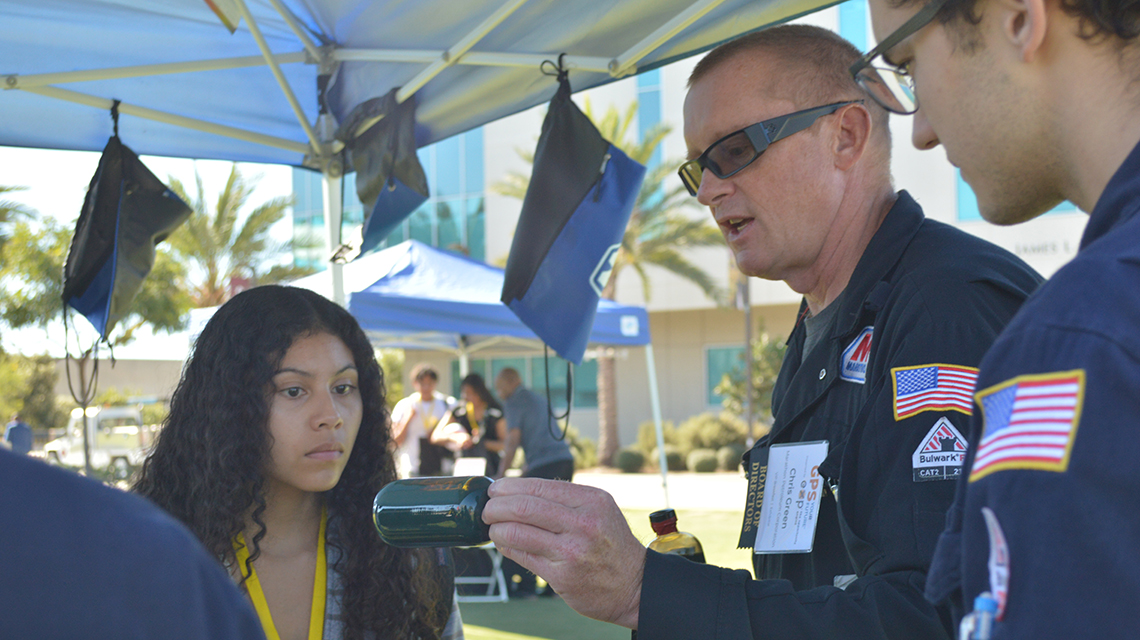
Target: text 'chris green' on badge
791, 498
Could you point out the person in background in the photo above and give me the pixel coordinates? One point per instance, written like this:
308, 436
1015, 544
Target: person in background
18, 435
1038, 101
530, 427
83, 560
413, 420
792, 159
276, 443
475, 428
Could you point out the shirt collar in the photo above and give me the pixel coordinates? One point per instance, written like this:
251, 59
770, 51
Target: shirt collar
1119, 202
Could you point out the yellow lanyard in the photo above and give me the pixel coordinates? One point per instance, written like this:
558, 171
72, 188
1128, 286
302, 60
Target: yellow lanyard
472, 421
253, 586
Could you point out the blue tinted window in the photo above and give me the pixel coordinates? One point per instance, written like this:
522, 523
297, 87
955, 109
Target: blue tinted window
450, 217
853, 23
473, 159
649, 79
557, 369
476, 366
586, 385
498, 364
476, 240
447, 160
420, 224
719, 361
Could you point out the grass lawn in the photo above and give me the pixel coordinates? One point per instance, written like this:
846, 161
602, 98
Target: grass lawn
551, 619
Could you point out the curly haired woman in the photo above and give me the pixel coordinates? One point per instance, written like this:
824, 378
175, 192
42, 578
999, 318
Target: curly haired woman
277, 440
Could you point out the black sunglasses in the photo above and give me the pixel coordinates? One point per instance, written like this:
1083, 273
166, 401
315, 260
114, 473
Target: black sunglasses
891, 86
737, 150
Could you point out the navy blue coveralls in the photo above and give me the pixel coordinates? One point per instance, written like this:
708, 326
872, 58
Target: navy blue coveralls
931, 295
1058, 449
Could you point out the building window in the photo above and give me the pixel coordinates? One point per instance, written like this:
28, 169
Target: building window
718, 362
451, 219
533, 372
649, 109
968, 202
853, 23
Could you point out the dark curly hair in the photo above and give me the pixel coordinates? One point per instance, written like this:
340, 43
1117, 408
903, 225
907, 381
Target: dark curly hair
1118, 19
479, 386
208, 461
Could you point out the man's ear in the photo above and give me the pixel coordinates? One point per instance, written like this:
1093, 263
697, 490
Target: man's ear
851, 136
1022, 24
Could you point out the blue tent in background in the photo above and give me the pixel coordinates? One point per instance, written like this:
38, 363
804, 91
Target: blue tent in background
425, 298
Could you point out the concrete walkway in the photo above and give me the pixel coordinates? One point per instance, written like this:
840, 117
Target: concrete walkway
721, 491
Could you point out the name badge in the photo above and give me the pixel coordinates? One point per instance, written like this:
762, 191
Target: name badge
792, 492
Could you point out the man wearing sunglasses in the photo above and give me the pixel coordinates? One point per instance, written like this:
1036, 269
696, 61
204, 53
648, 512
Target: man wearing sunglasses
793, 161
1038, 101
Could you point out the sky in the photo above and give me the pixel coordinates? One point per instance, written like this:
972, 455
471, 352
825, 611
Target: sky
57, 182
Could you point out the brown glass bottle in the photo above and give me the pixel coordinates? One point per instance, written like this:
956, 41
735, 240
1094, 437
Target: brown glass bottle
669, 540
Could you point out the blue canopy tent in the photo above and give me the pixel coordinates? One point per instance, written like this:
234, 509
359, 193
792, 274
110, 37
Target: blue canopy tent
275, 88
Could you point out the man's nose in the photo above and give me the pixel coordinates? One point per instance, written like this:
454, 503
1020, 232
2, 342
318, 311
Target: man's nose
923, 136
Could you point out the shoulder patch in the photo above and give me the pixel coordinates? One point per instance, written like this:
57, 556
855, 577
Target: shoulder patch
1029, 422
933, 387
853, 367
999, 561
940, 454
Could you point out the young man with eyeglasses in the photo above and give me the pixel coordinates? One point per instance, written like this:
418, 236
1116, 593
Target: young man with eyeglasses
1038, 101
793, 161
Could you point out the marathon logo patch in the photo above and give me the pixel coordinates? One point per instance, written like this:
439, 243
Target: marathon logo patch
940, 454
856, 356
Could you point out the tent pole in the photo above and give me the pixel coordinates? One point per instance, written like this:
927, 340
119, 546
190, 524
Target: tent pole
104, 104
255, 31
656, 402
145, 70
334, 205
472, 58
450, 56
464, 357
627, 61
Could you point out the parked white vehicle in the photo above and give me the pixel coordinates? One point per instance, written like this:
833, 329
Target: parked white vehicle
117, 436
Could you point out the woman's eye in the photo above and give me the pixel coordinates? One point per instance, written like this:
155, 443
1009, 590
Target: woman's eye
292, 392
344, 389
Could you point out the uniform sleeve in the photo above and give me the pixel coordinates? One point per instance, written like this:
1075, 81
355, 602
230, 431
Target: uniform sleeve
1060, 492
890, 517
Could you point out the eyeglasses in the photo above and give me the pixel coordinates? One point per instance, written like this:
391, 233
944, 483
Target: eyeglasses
732, 153
891, 86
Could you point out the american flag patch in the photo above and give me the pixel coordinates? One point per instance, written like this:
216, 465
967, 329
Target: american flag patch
1029, 423
933, 387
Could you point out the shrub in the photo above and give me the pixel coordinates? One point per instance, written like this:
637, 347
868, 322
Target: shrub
702, 460
647, 436
584, 450
629, 460
674, 459
710, 431
728, 456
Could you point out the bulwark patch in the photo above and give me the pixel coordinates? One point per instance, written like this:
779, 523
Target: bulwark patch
856, 356
940, 454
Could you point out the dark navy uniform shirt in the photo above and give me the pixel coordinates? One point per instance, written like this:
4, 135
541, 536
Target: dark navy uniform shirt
1055, 449
82, 560
889, 389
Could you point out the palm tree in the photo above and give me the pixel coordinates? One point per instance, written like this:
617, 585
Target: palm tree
9, 212
229, 256
658, 234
